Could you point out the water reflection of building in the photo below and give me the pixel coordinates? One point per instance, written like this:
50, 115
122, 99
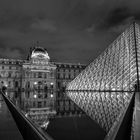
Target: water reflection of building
37, 82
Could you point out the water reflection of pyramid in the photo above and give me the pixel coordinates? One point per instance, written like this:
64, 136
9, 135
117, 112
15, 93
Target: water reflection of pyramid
105, 88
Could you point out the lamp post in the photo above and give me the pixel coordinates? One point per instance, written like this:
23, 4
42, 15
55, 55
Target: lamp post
34, 90
51, 89
34, 87
51, 95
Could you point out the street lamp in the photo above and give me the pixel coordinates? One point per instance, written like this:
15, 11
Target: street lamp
51, 84
35, 83
35, 96
51, 90
51, 95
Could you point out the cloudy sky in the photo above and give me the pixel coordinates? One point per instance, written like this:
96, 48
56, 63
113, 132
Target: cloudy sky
70, 30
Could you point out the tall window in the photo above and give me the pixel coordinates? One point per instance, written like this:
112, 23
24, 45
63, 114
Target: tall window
9, 83
45, 75
69, 76
58, 75
28, 94
64, 76
27, 84
39, 104
45, 88
9, 74
58, 94
58, 84
39, 75
44, 103
27, 74
16, 84
34, 104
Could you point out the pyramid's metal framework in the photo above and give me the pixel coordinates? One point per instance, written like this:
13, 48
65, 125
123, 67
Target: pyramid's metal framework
105, 88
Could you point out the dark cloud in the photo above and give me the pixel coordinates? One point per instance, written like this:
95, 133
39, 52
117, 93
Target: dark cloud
71, 30
44, 25
10, 53
117, 16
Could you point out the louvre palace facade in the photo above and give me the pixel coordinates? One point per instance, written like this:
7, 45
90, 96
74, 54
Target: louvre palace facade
39, 83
